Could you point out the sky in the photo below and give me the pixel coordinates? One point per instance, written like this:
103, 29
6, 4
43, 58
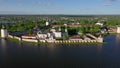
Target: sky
75, 7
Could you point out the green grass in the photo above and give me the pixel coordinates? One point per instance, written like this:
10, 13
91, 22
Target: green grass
29, 42
13, 39
111, 34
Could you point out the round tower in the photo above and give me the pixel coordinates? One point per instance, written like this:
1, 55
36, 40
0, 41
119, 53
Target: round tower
4, 32
118, 29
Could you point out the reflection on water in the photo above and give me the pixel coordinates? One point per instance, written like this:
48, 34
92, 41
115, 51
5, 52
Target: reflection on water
118, 38
117, 43
99, 48
51, 47
3, 49
3, 45
66, 56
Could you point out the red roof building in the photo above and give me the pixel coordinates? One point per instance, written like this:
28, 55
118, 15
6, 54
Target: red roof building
29, 36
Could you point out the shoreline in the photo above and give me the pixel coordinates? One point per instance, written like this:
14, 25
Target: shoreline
96, 40
84, 43
16, 40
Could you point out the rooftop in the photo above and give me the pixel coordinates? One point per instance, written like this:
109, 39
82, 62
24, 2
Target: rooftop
30, 35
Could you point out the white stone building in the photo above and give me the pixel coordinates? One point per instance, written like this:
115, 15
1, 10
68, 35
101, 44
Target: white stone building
50, 36
53, 30
42, 36
118, 29
57, 34
98, 23
4, 32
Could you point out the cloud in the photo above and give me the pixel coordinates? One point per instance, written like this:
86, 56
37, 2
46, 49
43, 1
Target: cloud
111, 0
44, 3
107, 4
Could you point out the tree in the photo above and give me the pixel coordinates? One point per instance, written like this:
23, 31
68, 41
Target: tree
72, 31
30, 31
94, 29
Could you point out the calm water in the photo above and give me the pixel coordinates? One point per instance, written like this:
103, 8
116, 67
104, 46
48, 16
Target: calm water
14, 54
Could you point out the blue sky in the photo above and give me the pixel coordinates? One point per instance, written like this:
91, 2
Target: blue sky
60, 7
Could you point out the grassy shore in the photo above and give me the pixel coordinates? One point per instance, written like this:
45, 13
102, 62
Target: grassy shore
113, 34
110, 34
90, 43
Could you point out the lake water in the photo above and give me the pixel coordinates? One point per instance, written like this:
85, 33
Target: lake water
13, 54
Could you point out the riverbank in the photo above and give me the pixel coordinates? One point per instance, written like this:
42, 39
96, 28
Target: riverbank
70, 43
17, 39
110, 34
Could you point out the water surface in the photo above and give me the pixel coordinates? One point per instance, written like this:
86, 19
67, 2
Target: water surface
14, 54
